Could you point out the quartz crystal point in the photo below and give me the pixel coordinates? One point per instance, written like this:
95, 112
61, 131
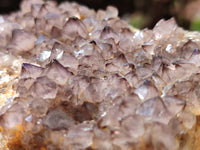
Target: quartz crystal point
21, 41
74, 79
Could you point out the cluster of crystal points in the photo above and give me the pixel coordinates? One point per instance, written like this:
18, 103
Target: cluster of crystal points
85, 80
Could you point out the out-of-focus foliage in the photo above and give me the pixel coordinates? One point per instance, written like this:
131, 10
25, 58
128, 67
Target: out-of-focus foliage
195, 24
139, 13
192, 13
186, 13
137, 20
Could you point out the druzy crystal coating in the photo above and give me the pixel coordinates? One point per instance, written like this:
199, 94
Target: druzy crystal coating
74, 79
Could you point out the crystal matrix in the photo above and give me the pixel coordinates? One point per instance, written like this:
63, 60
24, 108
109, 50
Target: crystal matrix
72, 78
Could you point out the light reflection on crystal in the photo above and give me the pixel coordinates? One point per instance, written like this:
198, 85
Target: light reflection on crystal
168, 48
77, 53
59, 56
138, 35
1, 19
40, 39
166, 88
79, 79
29, 118
44, 55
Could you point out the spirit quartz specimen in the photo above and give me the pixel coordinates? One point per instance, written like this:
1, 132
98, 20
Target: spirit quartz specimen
75, 79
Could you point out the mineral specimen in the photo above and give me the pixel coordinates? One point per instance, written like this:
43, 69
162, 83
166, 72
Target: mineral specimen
73, 79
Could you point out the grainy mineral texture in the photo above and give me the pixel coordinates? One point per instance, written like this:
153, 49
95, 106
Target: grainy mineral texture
75, 79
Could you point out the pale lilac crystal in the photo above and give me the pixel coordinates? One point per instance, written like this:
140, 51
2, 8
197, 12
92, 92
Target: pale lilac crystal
108, 32
21, 41
68, 60
134, 126
173, 104
154, 109
74, 27
80, 136
58, 119
43, 88
30, 71
14, 115
146, 91
73, 78
164, 28
56, 72
38, 107
188, 49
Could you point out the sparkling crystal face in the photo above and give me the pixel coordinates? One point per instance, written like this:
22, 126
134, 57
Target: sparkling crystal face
73, 78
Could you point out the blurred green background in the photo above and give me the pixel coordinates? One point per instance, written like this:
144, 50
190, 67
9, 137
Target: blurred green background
139, 13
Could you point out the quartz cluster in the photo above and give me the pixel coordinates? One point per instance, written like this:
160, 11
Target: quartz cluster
75, 79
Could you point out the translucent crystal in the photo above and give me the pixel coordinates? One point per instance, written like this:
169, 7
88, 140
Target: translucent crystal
80, 136
14, 115
30, 71
22, 41
164, 28
55, 71
134, 126
146, 91
43, 88
58, 119
111, 12
173, 104
41, 38
72, 78
154, 110
44, 55
38, 107
74, 27
108, 32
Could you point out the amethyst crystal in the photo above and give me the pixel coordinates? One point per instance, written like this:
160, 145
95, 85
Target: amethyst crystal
72, 79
